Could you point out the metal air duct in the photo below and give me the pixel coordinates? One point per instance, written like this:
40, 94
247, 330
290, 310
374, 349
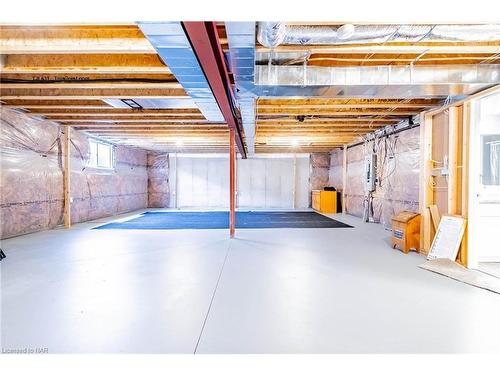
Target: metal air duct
241, 40
272, 34
172, 45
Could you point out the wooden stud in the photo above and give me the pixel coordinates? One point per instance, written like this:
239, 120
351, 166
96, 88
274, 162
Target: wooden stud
453, 136
466, 121
425, 193
67, 177
436, 218
344, 180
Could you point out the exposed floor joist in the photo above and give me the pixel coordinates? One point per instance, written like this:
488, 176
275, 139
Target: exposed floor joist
65, 72
315, 122
73, 39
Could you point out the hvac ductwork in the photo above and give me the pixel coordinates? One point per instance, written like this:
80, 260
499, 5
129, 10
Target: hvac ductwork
273, 34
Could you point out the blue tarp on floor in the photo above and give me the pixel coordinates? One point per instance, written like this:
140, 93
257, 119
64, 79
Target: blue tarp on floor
220, 220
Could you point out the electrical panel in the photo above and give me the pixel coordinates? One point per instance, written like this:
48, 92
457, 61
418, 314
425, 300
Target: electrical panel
370, 173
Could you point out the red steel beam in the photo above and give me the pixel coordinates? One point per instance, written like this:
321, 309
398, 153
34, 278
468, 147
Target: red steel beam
232, 182
205, 42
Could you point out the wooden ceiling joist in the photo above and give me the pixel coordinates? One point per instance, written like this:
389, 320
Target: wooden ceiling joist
394, 59
139, 122
353, 102
72, 39
119, 64
82, 105
111, 111
83, 85
489, 48
64, 72
310, 107
128, 118
146, 128
91, 93
54, 103
337, 112
285, 121
315, 121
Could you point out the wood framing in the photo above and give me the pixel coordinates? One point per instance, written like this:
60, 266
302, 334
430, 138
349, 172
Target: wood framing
453, 145
67, 176
435, 216
344, 179
466, 113
66, 73
327, 122
426, 181
458, 123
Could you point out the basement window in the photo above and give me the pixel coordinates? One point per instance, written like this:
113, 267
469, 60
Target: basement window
101, 155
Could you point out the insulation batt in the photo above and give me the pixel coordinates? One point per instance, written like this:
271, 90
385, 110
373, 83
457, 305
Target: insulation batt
319, 170
32, 177
398, 170
158, 190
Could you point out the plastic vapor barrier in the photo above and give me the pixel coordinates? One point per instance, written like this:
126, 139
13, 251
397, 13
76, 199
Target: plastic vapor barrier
31, 152
158, 183
397, 175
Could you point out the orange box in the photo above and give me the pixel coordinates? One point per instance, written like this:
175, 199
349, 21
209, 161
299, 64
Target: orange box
324, 201
406, 231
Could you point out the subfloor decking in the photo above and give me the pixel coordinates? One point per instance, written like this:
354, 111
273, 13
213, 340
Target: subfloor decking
267, 291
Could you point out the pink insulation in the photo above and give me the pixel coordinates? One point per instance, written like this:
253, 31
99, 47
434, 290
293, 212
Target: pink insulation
335, 172
32, 179
398, 175
158, 191
319, 170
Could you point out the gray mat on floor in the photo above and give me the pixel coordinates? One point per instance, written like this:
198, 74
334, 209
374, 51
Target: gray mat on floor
455, 271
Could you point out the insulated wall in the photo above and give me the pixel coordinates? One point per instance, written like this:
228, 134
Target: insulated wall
158, 180
335, 171
320, 166
32, 177
397, 173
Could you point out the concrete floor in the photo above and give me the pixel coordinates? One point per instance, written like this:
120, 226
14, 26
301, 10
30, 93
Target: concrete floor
267, 291
491, 268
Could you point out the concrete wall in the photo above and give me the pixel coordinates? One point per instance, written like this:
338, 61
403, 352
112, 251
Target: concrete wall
32, 180
398, 173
